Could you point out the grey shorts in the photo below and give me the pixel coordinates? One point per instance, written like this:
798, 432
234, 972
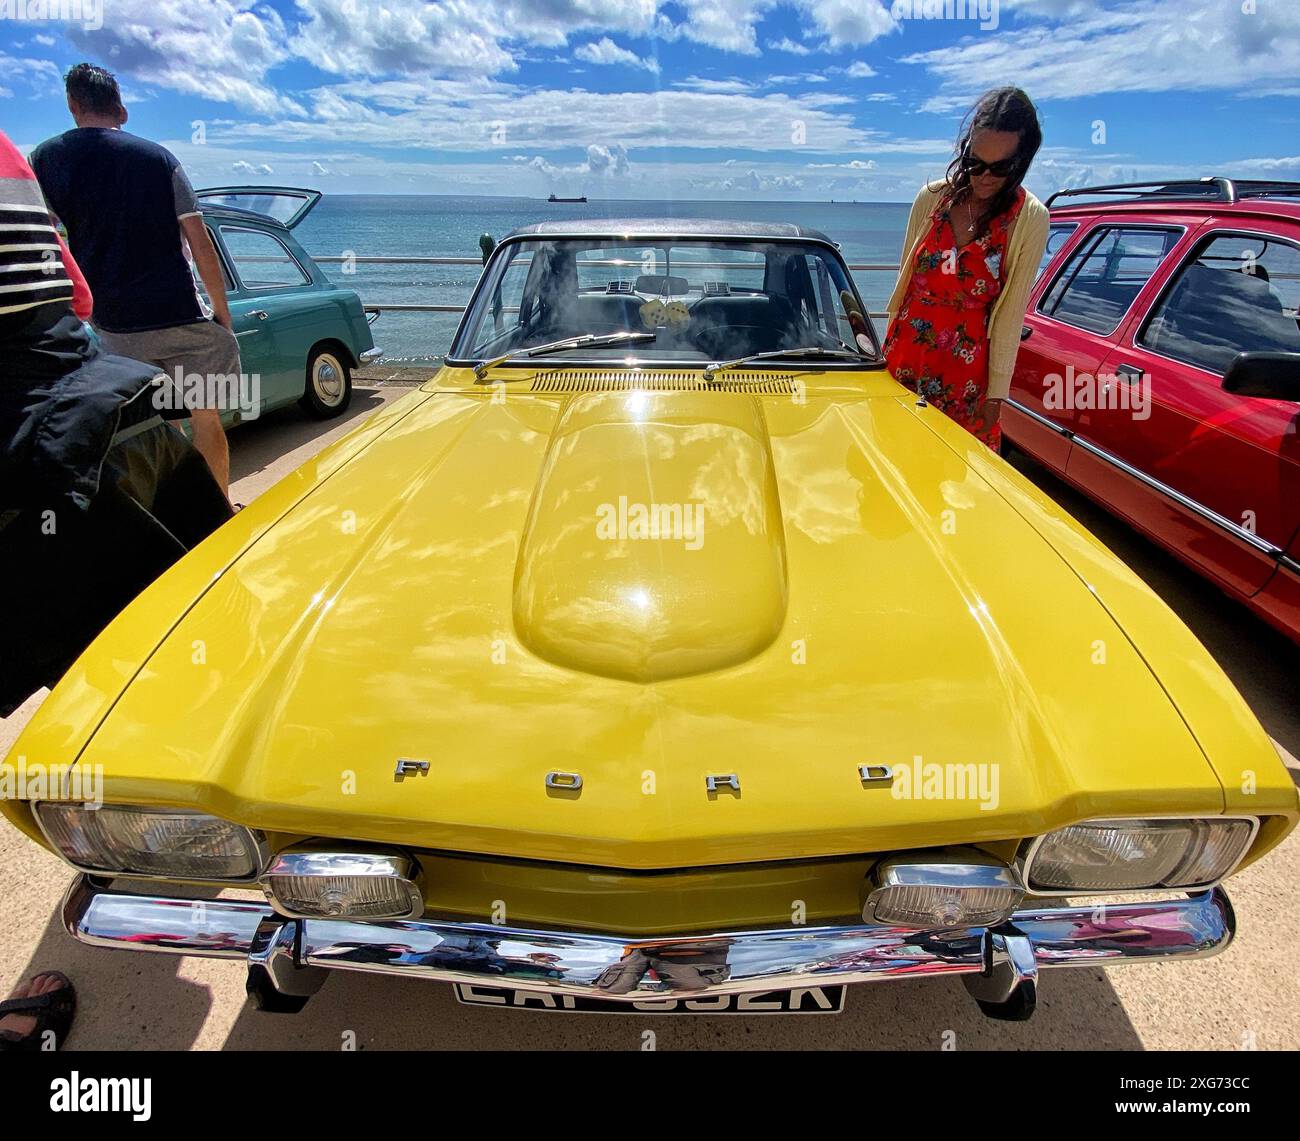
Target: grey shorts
203, 350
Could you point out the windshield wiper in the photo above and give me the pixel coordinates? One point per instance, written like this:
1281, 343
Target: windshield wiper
798, 354
586, 340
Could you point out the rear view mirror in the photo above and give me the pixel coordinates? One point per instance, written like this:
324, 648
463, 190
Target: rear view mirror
1274, 376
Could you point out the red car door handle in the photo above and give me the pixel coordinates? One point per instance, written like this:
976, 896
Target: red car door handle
1025, 332
1129, 373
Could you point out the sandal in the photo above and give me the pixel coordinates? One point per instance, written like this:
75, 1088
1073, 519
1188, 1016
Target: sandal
53, 1011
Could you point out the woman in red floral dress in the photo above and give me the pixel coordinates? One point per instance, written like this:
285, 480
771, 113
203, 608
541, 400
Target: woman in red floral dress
970, 259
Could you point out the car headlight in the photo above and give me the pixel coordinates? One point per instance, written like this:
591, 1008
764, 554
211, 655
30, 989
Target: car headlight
1138, 855
125, 839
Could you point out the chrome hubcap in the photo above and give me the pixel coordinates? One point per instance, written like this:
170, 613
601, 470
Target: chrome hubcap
327, 379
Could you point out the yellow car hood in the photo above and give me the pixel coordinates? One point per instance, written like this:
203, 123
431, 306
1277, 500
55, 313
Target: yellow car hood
471, 586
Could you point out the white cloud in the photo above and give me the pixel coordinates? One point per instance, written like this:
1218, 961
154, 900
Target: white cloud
219, 50
1145, 46
730, 25
224, 50
715, 86
243, 167
476, 37
1265, 166
751, 182
551, 22
786, 44
848, 23
37, 76
485, 115
363, 171
852, 164
233, 51
435, 81
1059, 167
602, 161
401, 37
606, 51
786, 80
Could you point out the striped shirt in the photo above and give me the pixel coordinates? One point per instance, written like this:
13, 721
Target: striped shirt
35, 266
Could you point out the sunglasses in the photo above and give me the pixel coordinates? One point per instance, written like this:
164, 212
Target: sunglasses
999, 169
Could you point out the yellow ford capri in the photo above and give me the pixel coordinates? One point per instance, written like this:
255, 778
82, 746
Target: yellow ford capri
660, 649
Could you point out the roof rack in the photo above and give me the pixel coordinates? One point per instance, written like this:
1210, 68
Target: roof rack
1265, 188
1209, 189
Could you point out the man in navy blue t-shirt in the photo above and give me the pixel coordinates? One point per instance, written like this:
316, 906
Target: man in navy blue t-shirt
130, 211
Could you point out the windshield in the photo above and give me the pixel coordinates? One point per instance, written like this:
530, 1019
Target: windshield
704, 300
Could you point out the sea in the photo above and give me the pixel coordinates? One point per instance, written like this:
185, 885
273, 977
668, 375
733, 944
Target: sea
447, 226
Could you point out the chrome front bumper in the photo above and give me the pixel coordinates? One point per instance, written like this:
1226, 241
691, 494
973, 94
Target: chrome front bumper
291, 956
370, 355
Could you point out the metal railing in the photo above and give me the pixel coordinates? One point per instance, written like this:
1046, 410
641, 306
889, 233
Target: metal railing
407, 307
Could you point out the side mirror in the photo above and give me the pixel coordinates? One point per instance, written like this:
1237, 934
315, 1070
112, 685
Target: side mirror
1274, 376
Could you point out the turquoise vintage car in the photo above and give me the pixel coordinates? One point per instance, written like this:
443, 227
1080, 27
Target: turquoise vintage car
299, 333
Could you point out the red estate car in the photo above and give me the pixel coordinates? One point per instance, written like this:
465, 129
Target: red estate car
1159, 372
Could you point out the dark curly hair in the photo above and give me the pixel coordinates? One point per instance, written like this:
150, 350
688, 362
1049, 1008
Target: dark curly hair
1002, 109
93, 89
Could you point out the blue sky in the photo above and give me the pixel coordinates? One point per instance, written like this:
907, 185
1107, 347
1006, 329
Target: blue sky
744, 99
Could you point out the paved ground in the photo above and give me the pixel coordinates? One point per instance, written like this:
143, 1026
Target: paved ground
1249, 994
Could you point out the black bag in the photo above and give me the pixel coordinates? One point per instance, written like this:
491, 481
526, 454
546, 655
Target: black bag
99, 496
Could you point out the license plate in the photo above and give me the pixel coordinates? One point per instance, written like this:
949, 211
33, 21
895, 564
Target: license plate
808, 1000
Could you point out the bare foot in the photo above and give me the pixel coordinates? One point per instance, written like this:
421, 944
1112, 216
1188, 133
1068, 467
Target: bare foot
24, 1024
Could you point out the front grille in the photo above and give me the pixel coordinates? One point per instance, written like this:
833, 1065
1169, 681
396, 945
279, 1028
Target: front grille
622, 380
660, 901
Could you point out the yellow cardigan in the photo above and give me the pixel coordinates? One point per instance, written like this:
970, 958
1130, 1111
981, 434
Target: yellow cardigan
1026, 241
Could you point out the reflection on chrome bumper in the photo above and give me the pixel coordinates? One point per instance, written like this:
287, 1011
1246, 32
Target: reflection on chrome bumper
640, 969
370, 355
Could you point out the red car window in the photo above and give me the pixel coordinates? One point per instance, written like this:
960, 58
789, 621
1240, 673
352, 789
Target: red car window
1104, 275
1058, 233
1235, 293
